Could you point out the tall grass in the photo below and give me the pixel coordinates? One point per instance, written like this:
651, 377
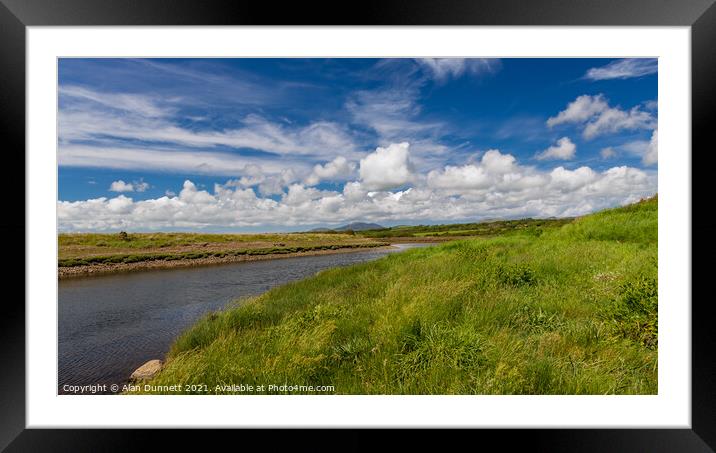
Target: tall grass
569, 311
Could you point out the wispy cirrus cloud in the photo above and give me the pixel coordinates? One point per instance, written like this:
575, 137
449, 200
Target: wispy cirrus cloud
95, 116
166, 160
624, 69
443, 69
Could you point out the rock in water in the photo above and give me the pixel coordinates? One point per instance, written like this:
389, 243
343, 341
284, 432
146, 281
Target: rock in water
147, 371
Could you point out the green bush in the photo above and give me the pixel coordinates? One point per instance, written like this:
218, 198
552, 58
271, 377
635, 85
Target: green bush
517, 275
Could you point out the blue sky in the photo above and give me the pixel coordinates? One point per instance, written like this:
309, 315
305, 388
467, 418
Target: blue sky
288, 144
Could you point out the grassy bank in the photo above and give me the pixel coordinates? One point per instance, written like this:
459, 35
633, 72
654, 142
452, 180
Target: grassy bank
489, 228
137, 258
571, 310
90, 252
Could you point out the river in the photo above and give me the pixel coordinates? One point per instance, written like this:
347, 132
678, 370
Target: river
110, 325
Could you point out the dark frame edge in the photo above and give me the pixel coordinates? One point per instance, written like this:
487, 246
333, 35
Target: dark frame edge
703, 339
12, 321
702, 436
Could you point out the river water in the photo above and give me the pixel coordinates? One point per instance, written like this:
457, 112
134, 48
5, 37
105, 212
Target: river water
110, 325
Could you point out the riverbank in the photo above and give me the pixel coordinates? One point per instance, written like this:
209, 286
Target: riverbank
213, 258
570, 310
110, 325
84, 254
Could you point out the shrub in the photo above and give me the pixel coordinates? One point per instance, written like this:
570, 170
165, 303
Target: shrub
516, 275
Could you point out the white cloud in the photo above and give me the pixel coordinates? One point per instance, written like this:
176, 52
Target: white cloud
564, 179
134, 186
442, 69
580, 110
140, 186
390, 112
496, 162
494, 167
563, 150
338, 168
647, 150
607, 152
594, 113
495, 186
121, 186
465, 177
113, 117
268, 183
387, 168
651, 105
614, 120
651, 156
136, 104
624, 69
164, 160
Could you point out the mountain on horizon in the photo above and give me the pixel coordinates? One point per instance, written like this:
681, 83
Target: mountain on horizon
360, 226
355, 226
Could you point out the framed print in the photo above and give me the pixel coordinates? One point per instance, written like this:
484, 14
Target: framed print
401, 219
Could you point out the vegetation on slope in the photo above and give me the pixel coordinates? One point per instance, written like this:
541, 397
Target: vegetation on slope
88, 249
132, 258
568, 311
492, 228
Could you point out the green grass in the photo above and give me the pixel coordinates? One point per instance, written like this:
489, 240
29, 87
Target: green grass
161, 240
136, 258
493, 228
572, 310
81, 249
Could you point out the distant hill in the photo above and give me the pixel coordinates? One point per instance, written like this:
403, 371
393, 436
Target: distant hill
360, 226
355, 226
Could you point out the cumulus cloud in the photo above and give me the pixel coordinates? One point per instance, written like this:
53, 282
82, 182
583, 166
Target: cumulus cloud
267, 183
495, 186
570, 180
387, 168
597, 117
580, 110
442, 69
647, 150
134, 186
338, 168
608, 152
492, 168
624, 69
460, 178
651, 156
496, 162
563, 150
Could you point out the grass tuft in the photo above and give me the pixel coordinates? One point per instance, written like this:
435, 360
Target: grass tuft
567, 310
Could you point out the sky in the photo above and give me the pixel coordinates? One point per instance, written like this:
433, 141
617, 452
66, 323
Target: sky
246, 145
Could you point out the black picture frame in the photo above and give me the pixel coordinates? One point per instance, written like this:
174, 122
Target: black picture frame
700, 15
